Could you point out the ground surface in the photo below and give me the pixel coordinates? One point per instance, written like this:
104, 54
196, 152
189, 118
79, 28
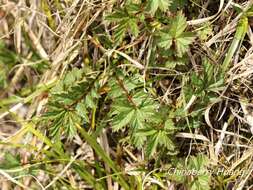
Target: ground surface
129, 94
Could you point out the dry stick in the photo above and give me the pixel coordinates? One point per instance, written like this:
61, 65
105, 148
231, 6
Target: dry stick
218, 145
165, 96
136, 63
250, 35
13, 109
58, 60
191, 101
203, 9
192, 136
247, 154
76, 17
109, 53
124, 47
142, 49
35, 42
229, 28
17, 30
130, 154
62, 172
223, 132
247, 114
5, 184
65, 47
215, 16
68, 15
241, 63
149, 46
62, 55
245, 178
6, 175
194, 64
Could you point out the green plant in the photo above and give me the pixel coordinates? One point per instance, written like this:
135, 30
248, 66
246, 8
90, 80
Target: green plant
174, 37
125, 94
70, 101
8, 59
192, 173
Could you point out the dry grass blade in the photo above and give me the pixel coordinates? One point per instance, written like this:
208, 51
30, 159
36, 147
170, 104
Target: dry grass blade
126, 94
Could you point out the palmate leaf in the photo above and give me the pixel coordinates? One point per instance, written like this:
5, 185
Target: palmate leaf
120, 31
129, 83
117, 15
128, 115
55, 116
200, 178
199, 163
155, 138
82, 111
165, 40
122, 28
152, 144
70, 102
164, 140
157, 133
123, 119
169, 125
153, 5
175, 37
178, 25
72, 119
64, 122
121, 106
201, 183
136, 114
127, 21
182, 43
89, 101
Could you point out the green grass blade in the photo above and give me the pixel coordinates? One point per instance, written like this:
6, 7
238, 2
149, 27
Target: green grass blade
239, 36
92, 142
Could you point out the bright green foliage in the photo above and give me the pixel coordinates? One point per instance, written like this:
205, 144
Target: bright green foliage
194, 173
205, 84
70, 101
153, 5
175, 36
141, 113
126, 18
7, 60
205, 87
241, 31
199, 164
132, 94
134, 111
205, 32
130, 83
159, 134
11, 162
3, 77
